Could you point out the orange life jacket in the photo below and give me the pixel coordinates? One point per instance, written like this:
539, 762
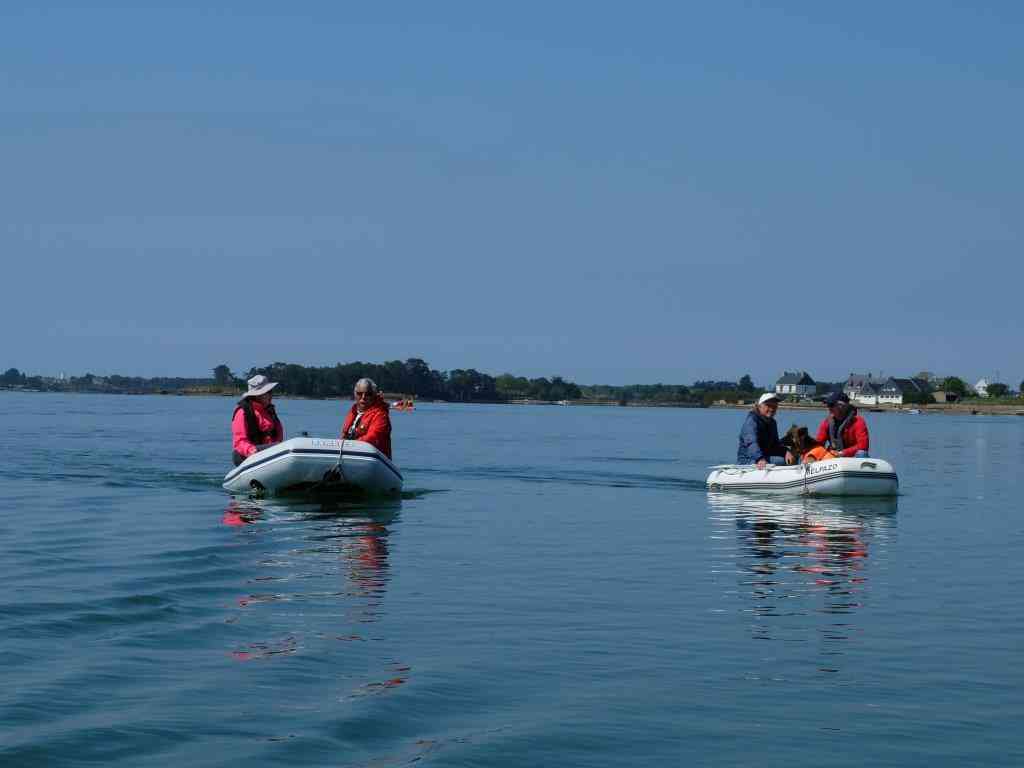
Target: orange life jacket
817, 454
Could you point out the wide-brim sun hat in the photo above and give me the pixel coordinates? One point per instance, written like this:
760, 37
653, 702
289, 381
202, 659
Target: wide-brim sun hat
259, 385
767, 397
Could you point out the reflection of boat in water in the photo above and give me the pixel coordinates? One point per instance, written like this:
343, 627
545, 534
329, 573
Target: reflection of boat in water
355, 509
328, 557
829, 477
306, 463
802, 565
798, 511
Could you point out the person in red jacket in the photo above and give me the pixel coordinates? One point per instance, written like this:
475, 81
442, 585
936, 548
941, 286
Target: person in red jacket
255, 423
843, 430
368, 418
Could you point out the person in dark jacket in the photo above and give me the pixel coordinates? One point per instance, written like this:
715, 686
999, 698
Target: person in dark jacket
759, 437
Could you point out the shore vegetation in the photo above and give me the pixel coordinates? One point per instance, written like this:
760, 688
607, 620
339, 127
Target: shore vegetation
416, 379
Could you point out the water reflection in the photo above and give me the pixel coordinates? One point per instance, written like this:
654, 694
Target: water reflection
329, 557
802, 564
242, 512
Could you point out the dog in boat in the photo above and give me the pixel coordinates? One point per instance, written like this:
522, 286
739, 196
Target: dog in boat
806, 449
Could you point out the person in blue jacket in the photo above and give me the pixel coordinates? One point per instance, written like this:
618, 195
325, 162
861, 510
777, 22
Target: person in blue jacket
759, 437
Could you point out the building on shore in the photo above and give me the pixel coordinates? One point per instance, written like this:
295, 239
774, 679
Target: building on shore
862, 388
797, 383
894, 391
869, 393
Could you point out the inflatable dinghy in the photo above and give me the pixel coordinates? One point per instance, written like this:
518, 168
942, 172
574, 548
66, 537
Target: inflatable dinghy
829, 477
306, 464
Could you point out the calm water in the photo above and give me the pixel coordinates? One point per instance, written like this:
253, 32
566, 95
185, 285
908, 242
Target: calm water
556, 588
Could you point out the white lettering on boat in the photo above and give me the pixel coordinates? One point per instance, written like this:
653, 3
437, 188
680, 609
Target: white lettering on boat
321, 443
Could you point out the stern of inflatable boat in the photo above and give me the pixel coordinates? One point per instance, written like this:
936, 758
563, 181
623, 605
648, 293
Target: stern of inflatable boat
305, 463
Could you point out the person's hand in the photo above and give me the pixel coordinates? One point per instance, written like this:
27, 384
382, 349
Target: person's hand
761, 463
790, 458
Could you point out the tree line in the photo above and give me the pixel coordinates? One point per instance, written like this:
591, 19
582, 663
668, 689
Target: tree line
90, 382
414, 377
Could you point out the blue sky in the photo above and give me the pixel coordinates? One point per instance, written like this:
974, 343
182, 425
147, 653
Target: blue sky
658, 192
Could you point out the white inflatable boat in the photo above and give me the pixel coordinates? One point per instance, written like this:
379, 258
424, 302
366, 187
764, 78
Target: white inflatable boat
306, 463
829, 477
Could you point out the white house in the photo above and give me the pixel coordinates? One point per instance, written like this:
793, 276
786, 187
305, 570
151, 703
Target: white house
858, 382
795, 383
867, 393
981, 387
890, 393
894, 390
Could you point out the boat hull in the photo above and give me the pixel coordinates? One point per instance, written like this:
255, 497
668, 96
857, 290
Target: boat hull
830, 477
300, 464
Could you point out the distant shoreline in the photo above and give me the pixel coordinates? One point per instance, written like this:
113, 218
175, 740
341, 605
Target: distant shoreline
971, 408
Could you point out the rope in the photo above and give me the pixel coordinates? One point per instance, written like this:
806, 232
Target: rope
339, 467
335, 473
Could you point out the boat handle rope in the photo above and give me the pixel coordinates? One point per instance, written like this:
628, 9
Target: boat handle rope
338, 468
335, 474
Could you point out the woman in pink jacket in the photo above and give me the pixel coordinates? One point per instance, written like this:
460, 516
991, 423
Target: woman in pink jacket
255, 424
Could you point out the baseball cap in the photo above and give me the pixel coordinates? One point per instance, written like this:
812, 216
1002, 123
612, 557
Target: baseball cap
836, 397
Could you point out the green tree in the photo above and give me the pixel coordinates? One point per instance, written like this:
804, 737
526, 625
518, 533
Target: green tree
419, 379
746, 383
997, 390
223, 377
12, 376
470, 384
918, 398
955, 385
512, 387
539, 388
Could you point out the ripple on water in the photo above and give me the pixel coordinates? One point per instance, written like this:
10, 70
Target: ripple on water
532, 599
600, 478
